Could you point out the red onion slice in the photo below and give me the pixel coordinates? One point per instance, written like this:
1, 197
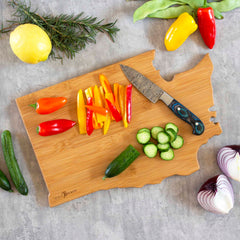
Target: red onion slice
216, 195
228, 159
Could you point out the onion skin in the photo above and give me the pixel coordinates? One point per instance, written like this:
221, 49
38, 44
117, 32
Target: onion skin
216, 195
228, 159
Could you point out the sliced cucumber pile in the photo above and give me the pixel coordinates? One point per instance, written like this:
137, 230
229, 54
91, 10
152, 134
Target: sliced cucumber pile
167, 139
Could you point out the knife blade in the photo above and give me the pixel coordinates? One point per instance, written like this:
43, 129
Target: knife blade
154, 93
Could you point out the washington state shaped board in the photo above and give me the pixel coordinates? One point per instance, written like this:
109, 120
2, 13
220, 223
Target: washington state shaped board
73, 165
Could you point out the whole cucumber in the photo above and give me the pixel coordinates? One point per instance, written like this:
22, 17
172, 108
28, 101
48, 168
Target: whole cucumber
4, 183
12, 163
121, 162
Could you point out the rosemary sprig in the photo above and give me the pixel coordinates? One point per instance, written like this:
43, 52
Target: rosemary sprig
69, 33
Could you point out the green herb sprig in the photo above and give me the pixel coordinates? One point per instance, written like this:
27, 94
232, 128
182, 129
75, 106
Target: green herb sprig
69, 33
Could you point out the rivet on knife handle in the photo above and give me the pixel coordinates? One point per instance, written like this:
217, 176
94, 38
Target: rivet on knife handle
182, 112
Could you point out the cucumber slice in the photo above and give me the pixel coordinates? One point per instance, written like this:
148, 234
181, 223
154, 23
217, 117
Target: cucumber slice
172, 134
178, 142
163, 137
150, 150
143, 137
168, 155
172, 126
155, 131
144, 130
163, 147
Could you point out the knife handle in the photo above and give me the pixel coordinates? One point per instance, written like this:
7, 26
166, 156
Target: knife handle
183, 113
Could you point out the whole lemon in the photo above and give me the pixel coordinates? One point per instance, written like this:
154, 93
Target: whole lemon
30, 43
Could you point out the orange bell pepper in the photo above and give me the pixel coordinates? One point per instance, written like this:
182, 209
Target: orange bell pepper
81, 112
106, 87
108, 116
122, 102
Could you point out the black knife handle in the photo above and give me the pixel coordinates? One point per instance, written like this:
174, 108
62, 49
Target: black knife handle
183, 113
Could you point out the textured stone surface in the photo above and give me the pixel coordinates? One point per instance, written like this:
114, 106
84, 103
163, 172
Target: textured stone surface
164, 211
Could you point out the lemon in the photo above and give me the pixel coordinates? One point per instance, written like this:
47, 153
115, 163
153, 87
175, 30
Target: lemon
30, 43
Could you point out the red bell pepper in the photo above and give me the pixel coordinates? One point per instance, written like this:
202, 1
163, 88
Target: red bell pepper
48, 105
89, 118
129, 102
54, 127
206, 24
115, 113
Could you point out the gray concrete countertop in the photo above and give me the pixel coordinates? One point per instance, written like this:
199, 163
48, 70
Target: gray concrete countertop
163, 211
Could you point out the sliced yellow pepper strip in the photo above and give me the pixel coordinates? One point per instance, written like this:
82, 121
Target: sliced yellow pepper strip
81, 112
97, 101
107, 122
122, 103
89, 93
106, 87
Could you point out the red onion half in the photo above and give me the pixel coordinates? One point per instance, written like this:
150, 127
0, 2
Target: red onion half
228, 159
216, 195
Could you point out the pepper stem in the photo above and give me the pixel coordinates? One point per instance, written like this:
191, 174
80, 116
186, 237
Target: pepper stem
104, 177
33, 105
205, 3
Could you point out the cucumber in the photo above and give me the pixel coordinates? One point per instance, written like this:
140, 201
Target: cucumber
172, 126
172, 134
178, 143
121, 162
143, 137
163, 147
163, 137
150, 150
155, 131
168, 155
144, 130
12, 164
4, 183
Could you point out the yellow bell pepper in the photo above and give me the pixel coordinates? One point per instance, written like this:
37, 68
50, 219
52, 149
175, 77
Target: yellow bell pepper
179, 31
81, 112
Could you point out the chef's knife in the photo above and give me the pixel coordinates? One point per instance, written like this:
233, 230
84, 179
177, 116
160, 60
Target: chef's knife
154, 93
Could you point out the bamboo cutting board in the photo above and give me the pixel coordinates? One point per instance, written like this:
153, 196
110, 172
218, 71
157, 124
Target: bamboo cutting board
73, 165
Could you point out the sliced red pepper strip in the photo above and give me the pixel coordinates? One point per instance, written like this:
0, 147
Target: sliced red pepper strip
89, 118
54, 127
115, 113
96, 109
49, 105
129, 102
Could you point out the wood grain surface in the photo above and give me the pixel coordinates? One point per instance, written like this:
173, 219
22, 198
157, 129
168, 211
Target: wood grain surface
73, 165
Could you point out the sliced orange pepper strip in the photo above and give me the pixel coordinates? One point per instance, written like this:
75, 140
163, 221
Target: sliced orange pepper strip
122, 102
106, 87
116, 95
107, 122
100, 110
81, 112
